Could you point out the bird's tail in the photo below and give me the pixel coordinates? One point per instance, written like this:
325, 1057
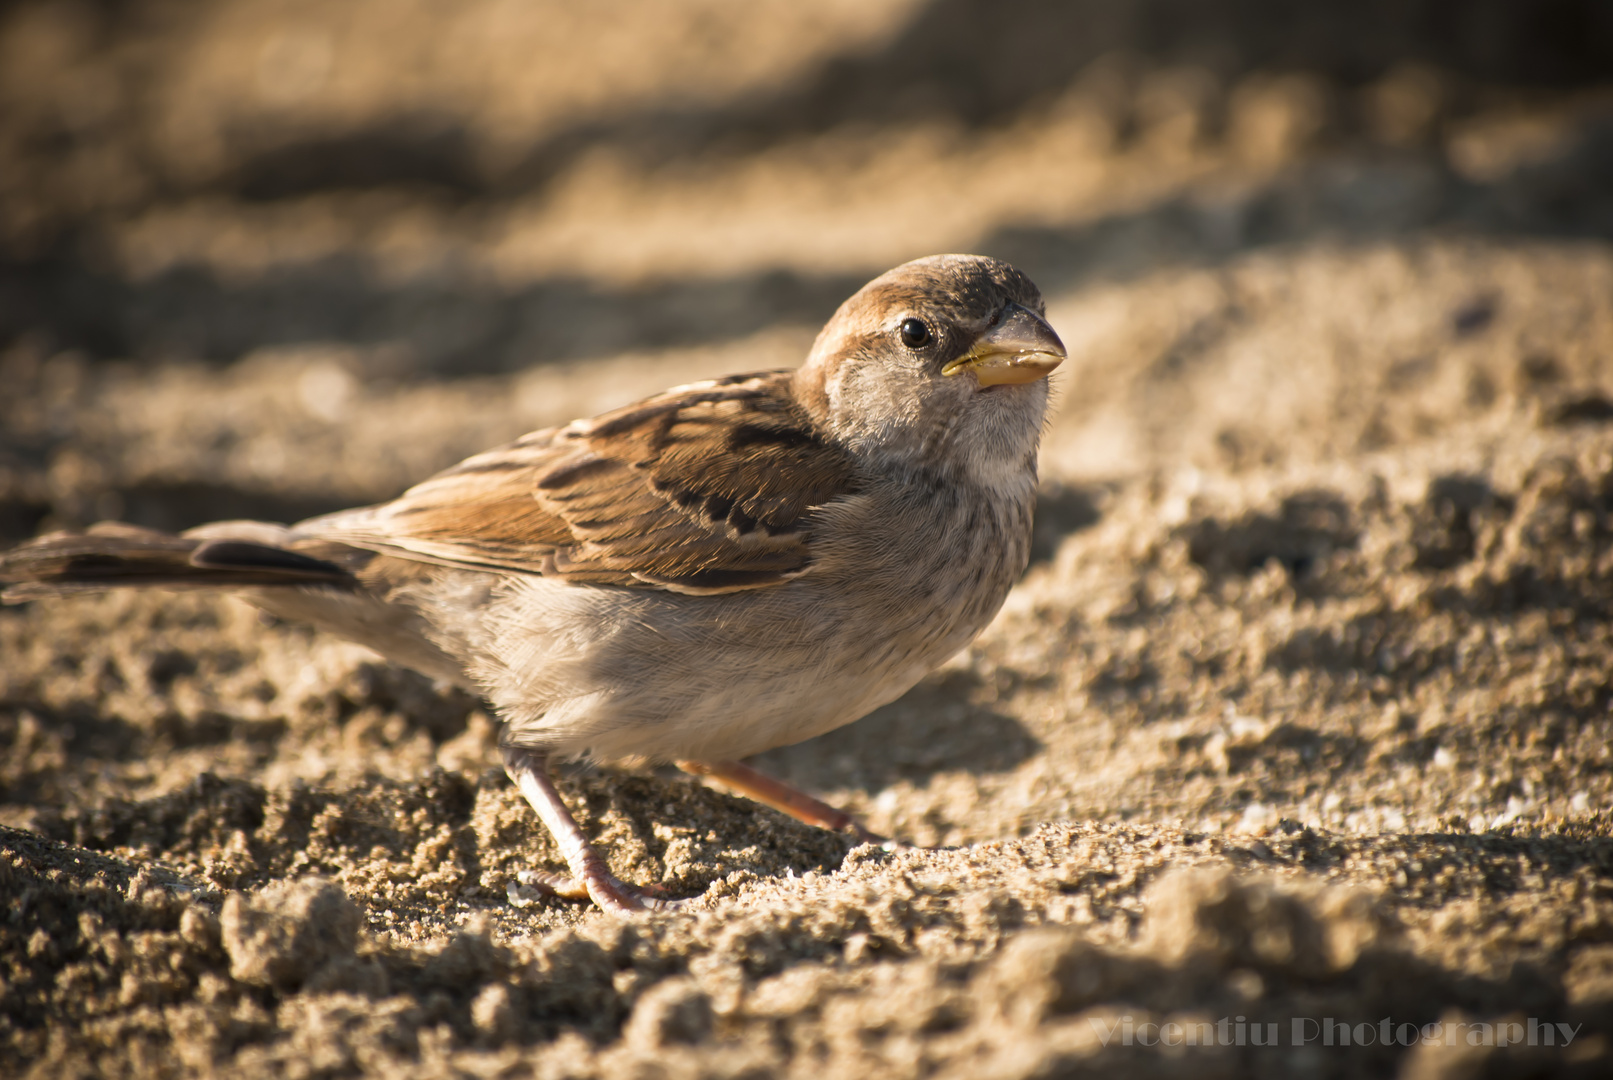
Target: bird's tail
112, 555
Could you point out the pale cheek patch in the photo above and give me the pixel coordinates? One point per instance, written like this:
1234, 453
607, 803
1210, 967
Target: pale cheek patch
874, 406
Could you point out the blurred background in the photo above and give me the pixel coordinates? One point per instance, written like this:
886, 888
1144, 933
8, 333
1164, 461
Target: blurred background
271, 258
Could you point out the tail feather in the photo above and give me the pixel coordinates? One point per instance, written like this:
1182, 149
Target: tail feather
114, 556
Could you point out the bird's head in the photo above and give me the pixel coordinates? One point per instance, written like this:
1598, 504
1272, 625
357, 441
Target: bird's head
941, 362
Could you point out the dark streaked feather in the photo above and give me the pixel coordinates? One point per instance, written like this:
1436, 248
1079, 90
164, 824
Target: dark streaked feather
703, 489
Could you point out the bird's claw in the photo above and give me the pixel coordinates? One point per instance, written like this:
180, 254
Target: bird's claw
607, 891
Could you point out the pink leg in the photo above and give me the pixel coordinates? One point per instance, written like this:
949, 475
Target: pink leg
785, 798
590, 877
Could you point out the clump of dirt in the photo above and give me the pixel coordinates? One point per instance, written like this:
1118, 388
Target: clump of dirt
1077, 949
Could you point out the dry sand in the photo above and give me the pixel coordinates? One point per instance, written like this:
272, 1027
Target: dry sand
1301, 713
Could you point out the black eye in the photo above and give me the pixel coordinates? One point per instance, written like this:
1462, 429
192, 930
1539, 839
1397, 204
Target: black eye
915, 334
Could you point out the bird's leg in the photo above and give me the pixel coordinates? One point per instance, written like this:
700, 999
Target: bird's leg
785, 798
590, 877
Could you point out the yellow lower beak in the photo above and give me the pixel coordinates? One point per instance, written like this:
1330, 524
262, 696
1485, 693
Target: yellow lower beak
1019, 348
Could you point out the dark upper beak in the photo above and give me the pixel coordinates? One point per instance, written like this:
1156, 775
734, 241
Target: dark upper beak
1019, 348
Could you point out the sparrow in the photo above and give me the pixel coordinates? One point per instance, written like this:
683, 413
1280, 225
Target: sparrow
723, 568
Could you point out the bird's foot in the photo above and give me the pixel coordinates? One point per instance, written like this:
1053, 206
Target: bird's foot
589, 879
606, 890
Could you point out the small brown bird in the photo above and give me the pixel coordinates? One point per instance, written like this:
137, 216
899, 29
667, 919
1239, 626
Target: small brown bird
720, 569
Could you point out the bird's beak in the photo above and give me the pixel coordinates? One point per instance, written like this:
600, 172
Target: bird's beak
1019, 348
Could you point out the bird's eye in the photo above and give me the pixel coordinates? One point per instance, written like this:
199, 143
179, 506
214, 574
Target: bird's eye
915, 333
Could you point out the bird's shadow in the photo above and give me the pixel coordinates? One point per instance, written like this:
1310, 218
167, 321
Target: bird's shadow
938, 726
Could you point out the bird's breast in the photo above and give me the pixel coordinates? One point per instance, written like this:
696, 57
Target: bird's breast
931, 563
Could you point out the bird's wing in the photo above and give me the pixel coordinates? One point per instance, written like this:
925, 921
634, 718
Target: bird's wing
707, 488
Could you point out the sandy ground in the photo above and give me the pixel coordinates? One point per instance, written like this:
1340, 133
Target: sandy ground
1300, 717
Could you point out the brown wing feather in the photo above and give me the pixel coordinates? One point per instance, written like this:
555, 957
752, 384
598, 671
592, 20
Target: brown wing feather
706, 488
